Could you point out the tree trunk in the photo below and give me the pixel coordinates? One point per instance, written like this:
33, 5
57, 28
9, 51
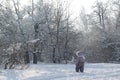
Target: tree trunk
34, 58
53, 56
27, 59
36, 28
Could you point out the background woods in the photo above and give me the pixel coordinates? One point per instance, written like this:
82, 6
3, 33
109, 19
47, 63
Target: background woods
46, 31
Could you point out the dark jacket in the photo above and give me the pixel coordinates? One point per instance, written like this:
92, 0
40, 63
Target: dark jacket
80, 59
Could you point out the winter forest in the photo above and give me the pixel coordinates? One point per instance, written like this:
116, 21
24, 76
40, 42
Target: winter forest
46, 31
39, 40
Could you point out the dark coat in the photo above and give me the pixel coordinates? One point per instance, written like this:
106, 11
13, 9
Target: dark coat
80, 62
80, 59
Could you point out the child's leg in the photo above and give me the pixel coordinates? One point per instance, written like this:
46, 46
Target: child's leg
77, 69
82, 68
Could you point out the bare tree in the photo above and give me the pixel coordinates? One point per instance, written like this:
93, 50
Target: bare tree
100, 11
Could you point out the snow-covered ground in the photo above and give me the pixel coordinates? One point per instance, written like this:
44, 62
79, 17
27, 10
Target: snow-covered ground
96, 71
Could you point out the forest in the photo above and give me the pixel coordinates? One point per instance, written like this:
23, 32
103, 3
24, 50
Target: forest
46, 31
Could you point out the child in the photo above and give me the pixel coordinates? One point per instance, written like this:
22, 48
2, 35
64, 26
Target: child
80, 62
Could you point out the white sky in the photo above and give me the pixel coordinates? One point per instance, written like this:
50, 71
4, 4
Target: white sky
76, 4
25, 2
75, 7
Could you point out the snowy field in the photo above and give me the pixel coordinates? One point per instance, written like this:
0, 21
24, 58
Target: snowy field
96, 71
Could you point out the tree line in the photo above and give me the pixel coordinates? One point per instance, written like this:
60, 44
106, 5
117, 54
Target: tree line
42, 31
45, 31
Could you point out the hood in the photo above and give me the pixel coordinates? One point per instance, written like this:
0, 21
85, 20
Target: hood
78, 53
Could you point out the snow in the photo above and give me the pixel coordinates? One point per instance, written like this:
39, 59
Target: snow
13, 47
96, 71
33, 41
17, 46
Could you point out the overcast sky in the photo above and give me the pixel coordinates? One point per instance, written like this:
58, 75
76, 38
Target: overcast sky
77, 4
75, 7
